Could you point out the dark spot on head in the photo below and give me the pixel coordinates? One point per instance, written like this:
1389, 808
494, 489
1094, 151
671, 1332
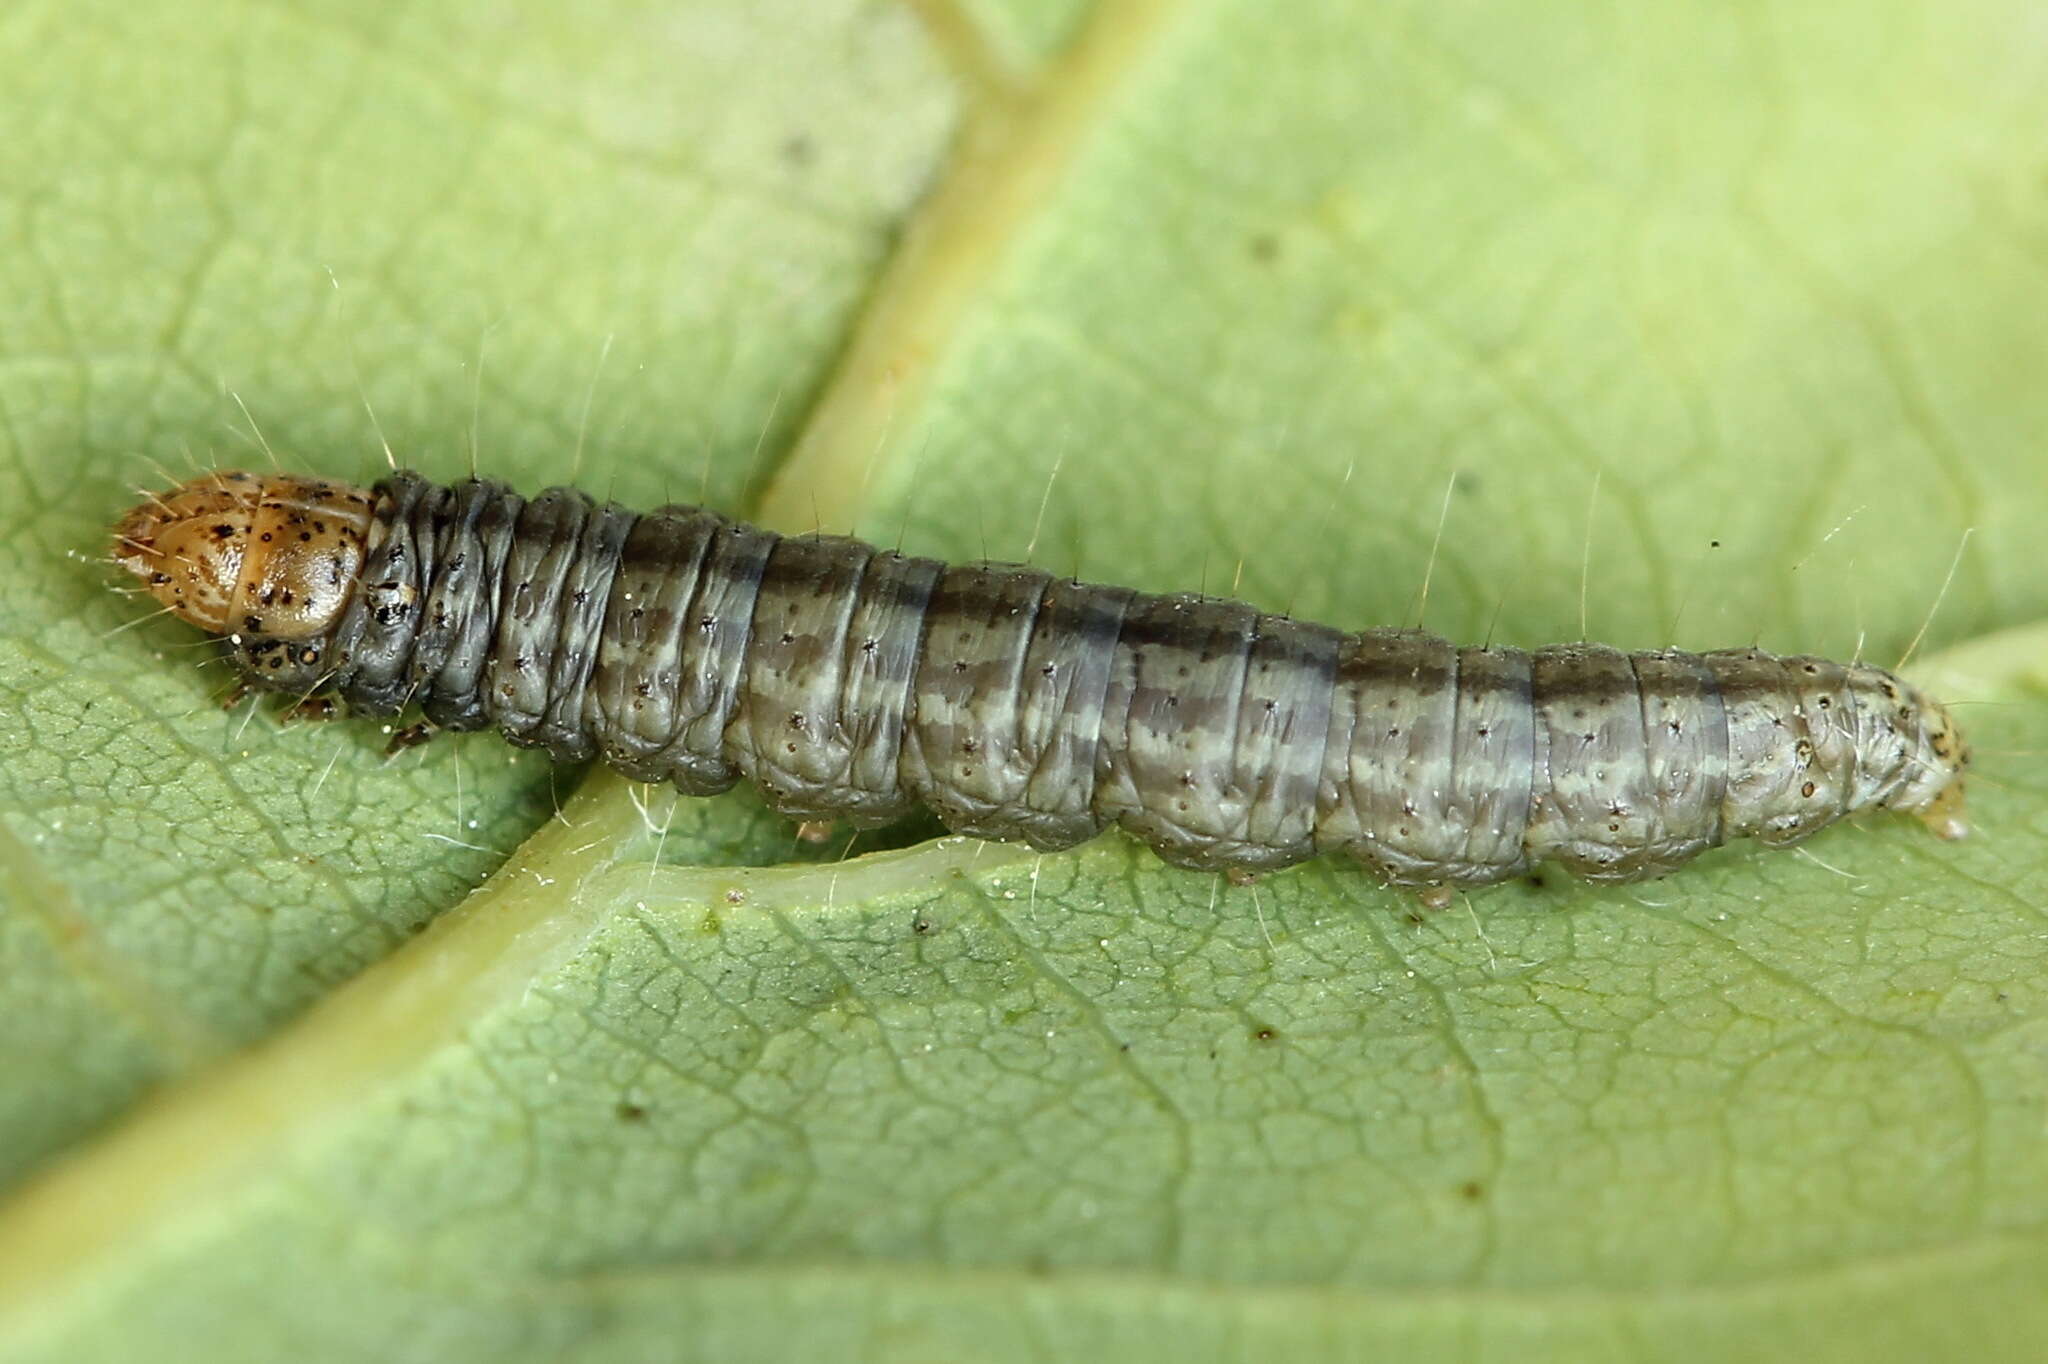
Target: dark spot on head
1472, 1191
630, 1112
1264, 1034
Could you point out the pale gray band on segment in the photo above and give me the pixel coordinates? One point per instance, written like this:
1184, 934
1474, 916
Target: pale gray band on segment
636, 687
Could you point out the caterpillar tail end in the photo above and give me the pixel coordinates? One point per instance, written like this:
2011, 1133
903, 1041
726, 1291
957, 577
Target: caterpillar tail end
1945, 816
1934, 762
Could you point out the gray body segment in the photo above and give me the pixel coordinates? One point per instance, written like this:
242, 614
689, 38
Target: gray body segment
854, 683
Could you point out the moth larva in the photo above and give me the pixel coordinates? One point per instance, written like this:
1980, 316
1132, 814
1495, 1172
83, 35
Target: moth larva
854, 683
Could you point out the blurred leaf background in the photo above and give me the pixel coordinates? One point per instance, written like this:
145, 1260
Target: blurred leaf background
1695, 323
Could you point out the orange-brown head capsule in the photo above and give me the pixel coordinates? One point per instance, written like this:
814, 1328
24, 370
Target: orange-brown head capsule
271, 555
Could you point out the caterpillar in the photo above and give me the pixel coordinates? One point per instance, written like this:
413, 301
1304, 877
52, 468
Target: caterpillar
854, 683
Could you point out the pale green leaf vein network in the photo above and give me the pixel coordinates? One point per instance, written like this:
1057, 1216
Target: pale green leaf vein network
1173, 1189
186, 1152
188, 1145
26, 883
1874, 321
169, 1156
1004, 172
260, 816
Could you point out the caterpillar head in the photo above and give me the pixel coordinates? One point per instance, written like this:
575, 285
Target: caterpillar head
270, 555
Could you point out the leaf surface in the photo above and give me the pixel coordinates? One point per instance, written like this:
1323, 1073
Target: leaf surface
1702, 325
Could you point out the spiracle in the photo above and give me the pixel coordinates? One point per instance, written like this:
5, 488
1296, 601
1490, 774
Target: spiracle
854, 683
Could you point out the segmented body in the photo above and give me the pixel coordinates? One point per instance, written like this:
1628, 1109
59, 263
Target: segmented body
854, 683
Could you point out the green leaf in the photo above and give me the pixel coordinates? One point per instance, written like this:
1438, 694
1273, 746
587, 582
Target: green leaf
1709, 323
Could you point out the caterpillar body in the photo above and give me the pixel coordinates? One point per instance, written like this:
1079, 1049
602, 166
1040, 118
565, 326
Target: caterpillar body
854, 683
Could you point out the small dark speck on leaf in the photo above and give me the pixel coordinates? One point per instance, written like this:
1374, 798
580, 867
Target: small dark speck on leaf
631, 1113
